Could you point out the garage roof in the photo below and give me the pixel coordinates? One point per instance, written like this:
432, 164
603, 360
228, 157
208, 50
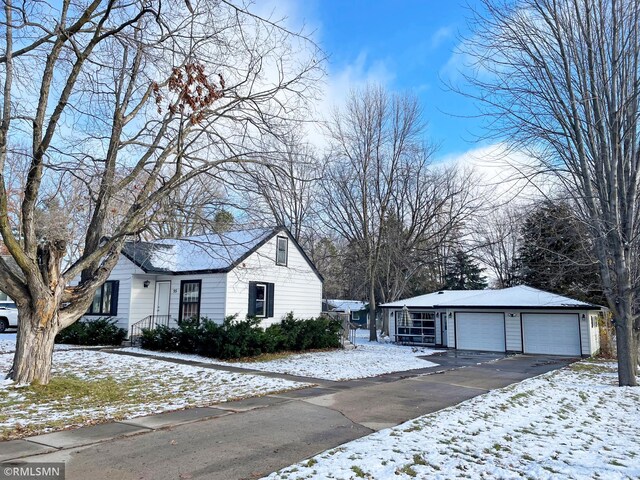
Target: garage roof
521, 296
433, 299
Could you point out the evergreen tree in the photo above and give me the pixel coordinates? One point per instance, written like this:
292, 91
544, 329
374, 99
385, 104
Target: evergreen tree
554, 254
463, 273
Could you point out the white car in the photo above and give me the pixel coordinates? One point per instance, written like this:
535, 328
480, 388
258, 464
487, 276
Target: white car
8, 315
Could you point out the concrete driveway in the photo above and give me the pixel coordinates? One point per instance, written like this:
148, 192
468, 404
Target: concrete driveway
251, 438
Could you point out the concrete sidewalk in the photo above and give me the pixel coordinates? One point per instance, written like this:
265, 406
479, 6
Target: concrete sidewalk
253, 437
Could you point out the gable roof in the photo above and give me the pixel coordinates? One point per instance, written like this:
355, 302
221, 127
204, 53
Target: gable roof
521, 296
211, 253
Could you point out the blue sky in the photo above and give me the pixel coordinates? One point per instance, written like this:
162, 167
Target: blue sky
407, 45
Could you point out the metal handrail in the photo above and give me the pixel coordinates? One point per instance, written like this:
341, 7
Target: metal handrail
147, 323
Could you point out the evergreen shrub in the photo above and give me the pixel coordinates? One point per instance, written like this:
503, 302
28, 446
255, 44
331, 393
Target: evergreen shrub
99, 331
243, 338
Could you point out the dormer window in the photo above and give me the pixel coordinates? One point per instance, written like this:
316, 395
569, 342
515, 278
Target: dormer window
282, 251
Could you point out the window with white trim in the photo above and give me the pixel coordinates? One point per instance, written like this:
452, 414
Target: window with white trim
261, 296
282, 251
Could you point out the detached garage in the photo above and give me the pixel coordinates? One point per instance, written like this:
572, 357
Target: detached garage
518, 319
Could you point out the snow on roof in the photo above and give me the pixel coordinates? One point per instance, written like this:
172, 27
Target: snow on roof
433, 299
344, 305
199, 253
520, 296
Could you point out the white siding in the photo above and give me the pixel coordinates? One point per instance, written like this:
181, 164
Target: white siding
451, 330
122, 272
438, 329
595, 332
141, 300
513, 331
297, 288
445, 327
392, 324
585, 333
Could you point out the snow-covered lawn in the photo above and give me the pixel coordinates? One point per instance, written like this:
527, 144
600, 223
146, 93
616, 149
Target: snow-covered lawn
90, 387
573, 423
369, 359
8, 344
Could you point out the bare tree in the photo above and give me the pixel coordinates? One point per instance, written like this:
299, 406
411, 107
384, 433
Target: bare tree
430, 206
132, 100
327, 255
495, 242
561, 79
192, 209
284, 194
381, 193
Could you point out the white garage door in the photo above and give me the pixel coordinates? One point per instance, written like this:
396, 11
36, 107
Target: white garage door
551, 333
480, 331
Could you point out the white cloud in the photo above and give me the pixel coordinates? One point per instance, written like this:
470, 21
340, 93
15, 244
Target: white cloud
441, 35
340, 82
353, 76
458, 63
504, 175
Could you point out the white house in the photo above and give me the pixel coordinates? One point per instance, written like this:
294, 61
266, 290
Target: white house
518, 319
261, 272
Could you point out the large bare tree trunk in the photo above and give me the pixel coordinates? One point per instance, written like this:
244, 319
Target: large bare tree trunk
627, 351
40, 318
37, 330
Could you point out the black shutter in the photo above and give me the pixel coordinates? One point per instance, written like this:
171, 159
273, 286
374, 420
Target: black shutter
251, 311
270, 289
114, 297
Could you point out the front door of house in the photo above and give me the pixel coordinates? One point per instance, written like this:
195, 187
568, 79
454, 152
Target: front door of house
163, 295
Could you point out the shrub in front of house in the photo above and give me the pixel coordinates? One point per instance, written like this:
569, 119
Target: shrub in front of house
209, 338
187, 336
99, 331
243, 338
161, 338
298, 335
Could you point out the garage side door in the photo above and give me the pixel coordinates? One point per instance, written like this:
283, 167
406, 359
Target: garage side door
551, 333
480, 331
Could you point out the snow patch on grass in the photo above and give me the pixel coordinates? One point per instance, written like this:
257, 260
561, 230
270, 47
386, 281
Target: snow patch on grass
572, 423
369, 359
90, 387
